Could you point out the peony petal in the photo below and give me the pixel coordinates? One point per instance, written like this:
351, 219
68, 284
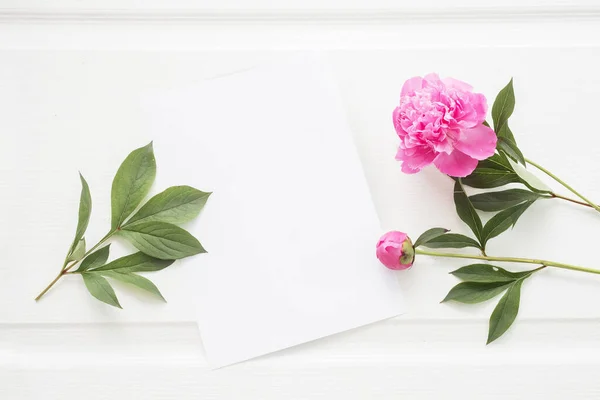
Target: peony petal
433, 78
411, 85
408, 170
443, 147
480, 105
456, 164
396, 119
478, 142
389, 256
456, 84
418, 158
394, 237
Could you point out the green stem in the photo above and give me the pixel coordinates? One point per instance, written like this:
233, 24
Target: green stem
104, 239
510, 259
566, 185
49, 286
65, 269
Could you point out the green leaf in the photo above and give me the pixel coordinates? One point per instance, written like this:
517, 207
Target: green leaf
137, 262
506, 133
466, 211
485, 178
176, 205
162, 240
85, 211
505, 312
503, 220
530, 180
78, 252
452, 241
498, 201
94, 260
492, 172
100, 289
475, 292
510, 148
497, 161
135, 280
132, 183
488, 273
428, 235
486, 124
504, 106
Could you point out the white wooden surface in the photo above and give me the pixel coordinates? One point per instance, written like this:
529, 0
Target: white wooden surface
550, 47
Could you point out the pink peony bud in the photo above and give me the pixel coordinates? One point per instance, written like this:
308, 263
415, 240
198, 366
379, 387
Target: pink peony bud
395, 250
440, 121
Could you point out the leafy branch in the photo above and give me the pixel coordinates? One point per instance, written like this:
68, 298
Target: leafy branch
152, 230
482, 282
508, 166
496, 225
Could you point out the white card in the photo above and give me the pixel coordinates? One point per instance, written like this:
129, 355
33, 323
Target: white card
290, 228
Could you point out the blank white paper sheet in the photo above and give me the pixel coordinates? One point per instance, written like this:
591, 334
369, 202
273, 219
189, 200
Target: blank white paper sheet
290, 228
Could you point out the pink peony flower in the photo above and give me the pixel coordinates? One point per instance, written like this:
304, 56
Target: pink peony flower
440, 121
395, 250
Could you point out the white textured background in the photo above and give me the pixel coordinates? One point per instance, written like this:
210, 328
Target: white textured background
436, 351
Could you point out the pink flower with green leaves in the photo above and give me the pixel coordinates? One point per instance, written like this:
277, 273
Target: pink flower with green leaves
440, 121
